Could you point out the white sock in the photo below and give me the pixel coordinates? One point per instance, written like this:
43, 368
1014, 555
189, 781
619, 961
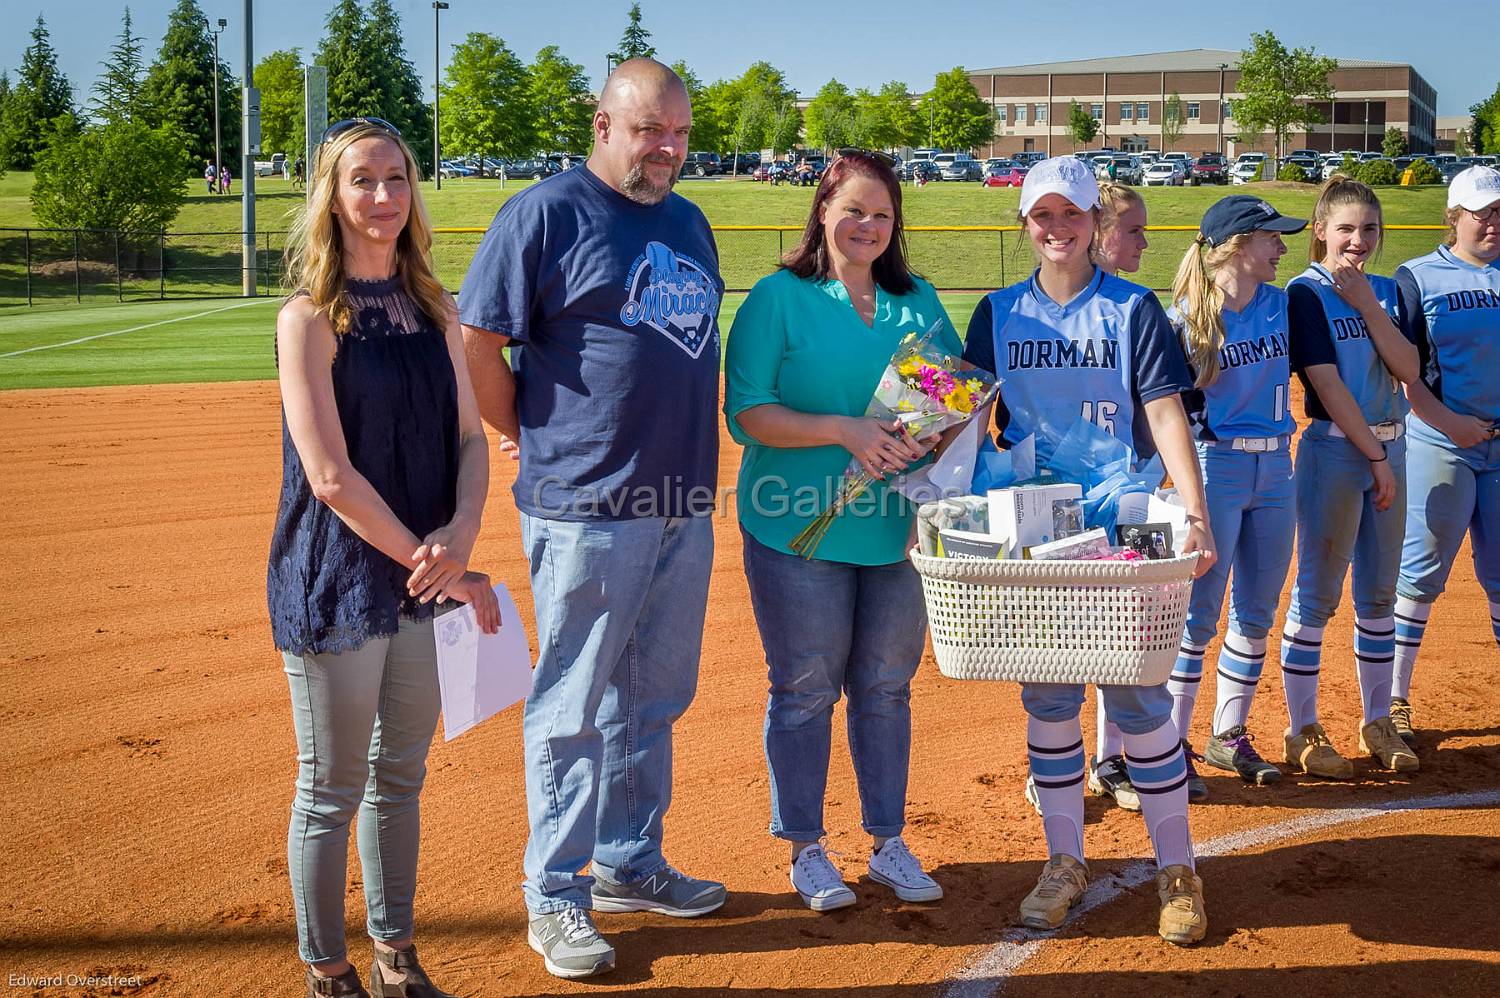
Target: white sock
1301, 660
1187, 674
1159, 774
1108, 739
1374, 660
1055, 750
1240, 663
1411, 624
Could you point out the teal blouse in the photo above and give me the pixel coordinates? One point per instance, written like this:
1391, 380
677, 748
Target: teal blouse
799, 342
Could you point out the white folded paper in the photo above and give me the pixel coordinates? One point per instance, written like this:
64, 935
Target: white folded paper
480, 674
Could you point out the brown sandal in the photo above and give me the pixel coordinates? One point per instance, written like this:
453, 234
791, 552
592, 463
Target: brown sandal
416, 983
346, 985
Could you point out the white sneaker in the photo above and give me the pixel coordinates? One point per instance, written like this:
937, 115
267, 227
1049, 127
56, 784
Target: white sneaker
819, 882
898, 869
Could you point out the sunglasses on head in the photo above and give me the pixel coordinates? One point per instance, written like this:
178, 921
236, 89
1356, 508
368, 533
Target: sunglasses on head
338, 127
881, 157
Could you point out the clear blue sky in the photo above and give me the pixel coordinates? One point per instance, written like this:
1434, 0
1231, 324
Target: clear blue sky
860, 42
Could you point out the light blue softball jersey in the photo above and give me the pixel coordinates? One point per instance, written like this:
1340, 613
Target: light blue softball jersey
1249, 399
1451, 310
1102, 356
1327, 330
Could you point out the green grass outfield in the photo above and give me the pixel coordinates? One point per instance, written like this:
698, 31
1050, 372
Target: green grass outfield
179, 341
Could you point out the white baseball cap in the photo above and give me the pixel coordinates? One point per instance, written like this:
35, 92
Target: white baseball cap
1065, 175
1474, 188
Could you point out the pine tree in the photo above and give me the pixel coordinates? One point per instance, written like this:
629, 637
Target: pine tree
179, 88
40, 96
560, 96
635, 43
117, 92
402, 101
4, 99
353, 86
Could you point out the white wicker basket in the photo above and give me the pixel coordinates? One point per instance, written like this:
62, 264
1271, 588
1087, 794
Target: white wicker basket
1105, 622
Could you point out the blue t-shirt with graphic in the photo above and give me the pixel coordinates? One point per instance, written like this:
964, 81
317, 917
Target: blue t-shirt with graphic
1102, 356
1451, 310
613, 308
1325, 329
1249, 399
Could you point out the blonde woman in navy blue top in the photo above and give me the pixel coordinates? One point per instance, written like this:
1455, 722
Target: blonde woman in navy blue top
1351, 474
384, 477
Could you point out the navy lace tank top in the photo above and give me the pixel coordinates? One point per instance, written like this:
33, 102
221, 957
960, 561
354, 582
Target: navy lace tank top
327, 589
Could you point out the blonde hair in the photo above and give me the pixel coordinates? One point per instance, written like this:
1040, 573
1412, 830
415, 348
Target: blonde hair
1338, 191
1115, 199
1450, 216
1200, 302
315, 247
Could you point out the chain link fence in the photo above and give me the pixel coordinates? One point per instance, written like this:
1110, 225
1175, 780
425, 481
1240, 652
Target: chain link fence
79, 265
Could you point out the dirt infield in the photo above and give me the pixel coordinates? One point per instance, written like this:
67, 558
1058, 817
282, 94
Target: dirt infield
151, 761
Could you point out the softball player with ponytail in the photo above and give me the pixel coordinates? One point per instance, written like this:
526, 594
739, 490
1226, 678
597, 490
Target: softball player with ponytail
1072, 340
1450, 305
1233, 324
1351, 475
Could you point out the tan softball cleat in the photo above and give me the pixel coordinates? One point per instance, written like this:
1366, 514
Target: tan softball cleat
1310, 752
1183, 918
1381, 740
1058, 889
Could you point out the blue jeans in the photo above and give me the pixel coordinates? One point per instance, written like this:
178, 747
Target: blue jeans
364, 720
1450, 491
619, 620
1337, 523
827, 627
1252, 511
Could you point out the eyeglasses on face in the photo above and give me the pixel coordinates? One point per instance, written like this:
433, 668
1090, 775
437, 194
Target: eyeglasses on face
1485, 214
338, 127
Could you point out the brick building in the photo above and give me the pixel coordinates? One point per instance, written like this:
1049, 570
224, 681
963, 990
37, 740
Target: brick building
1126, 95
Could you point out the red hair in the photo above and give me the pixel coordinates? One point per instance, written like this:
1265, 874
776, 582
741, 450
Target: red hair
809, 258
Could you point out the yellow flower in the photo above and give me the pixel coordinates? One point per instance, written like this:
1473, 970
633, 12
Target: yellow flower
909, 367
959, 399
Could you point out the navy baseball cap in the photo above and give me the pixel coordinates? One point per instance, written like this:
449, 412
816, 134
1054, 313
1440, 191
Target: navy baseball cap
1240, 214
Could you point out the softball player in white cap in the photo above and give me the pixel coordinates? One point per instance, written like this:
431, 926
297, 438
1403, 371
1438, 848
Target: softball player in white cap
1351, 475
1072, 340
1450, 305
1233, 324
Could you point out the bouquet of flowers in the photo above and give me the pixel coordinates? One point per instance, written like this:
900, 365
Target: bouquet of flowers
926, 390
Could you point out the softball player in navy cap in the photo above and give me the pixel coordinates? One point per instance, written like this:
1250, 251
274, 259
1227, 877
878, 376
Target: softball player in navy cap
1450, 305
1351, 475
1073, 341
1233, 324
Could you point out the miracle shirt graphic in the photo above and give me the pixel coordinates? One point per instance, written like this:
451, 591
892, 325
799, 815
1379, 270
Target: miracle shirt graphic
612, 311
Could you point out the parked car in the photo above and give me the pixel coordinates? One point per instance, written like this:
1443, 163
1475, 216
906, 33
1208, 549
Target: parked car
455, 170
1180, 157
1210, 168
701, 164
1245, 171
1490, 161
1451, 169
925, 169
1004, 173
744, 164
1165, 173
958, 166
536, 168
1028, 158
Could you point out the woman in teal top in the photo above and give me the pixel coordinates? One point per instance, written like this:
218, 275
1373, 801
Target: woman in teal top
806, 352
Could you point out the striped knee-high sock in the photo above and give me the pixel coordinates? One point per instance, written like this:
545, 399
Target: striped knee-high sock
1108, 740
1240, 662
1055, 750
1301, 660
1411, 624
1495, 619
1187, 674
1374, 660
1159, 774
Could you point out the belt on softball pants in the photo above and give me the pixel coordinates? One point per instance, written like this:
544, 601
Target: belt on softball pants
1384, 432
1252, 445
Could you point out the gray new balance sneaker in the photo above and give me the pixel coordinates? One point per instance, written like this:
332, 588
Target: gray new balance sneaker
666, 892
569, 944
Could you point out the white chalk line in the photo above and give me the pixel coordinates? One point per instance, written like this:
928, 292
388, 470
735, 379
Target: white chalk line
986, 973
135, 329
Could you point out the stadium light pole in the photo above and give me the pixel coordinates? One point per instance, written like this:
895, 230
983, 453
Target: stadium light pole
438, 6
1222, 66
250, 137
218, 134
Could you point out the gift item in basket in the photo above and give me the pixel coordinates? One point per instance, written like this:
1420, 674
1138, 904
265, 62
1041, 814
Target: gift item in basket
968, 544
1108, 622
1067, 518
969, 513
1025, 515
1153, 540
1086, 546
